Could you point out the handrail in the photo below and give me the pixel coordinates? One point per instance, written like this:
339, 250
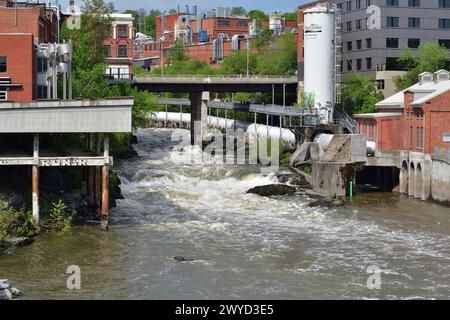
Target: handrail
345, 120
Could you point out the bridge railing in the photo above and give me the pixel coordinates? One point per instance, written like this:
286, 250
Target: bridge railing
239, 76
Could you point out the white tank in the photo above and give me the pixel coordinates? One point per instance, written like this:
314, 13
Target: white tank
319, 33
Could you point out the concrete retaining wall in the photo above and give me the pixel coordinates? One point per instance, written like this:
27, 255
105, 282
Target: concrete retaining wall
440, 178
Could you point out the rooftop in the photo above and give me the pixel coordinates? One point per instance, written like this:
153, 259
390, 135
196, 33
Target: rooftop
429, 86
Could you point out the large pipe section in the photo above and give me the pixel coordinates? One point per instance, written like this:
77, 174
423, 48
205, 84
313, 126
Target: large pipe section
260, 130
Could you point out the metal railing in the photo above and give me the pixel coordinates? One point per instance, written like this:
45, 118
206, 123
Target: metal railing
341, 117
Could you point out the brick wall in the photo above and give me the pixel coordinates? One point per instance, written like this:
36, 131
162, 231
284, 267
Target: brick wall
32, 20
20, 67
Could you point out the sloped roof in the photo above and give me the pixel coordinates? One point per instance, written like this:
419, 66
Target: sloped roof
433, 90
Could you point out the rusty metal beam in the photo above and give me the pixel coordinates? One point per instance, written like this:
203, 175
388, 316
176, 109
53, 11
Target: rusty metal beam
105, 185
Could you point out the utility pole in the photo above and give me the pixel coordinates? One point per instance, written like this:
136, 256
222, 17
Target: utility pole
161, 41
248, 55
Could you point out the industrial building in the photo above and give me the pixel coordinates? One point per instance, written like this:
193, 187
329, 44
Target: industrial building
372, 49
208, 37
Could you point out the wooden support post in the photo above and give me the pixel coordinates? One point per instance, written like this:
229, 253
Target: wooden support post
105, 185
35, 179
96, 180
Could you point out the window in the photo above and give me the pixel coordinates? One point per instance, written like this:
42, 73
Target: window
3, 64
358, 24
358, 64
444, 43
369, 63
349, 46
349, 6
339, 6
444, 23
242, 24
107, 49
341, 66
419, 137
224, 23
42, 92
413, 43
349, 65
392, 22
358, 4
358, 44
122, 31
349, 26
444, 3
414, 3
3, 95
392, 3
368, 3
410, 137
413, 22
123, 51
380, 84
41, 64
369, 43
391, 42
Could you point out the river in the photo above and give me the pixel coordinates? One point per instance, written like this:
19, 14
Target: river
243, 246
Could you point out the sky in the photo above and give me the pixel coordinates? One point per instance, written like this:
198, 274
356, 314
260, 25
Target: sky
203, 5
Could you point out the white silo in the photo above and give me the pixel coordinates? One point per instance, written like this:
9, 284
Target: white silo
319, 34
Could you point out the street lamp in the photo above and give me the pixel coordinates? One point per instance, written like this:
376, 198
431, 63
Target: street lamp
248, 55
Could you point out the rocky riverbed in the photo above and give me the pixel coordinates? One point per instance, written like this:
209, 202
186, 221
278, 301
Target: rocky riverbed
8, 292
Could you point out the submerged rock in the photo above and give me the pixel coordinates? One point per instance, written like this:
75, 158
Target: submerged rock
7, 292
329, 203
273, 190
17, 241
182, 259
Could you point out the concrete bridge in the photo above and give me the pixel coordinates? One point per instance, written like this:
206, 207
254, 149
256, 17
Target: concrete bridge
180, 83
96, 119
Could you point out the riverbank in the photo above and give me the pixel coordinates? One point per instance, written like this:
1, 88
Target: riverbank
236, 245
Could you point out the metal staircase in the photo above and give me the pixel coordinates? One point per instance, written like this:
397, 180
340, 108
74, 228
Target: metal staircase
341, 117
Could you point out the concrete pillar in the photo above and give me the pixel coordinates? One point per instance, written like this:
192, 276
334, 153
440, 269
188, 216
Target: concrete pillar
105, 185
199, 116
35, 179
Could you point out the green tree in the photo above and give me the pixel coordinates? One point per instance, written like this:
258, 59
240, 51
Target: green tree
290, 15
177, 51
359, 94
237, 63
279, 58
150, 22
88, 59
257, 15
238, 12
430, 57
263, 38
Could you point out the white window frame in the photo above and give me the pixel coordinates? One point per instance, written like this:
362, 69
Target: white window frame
6, 95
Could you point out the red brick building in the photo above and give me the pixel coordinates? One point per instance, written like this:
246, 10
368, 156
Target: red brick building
21, 31
119, 47
35, 18
416, 119
17, 71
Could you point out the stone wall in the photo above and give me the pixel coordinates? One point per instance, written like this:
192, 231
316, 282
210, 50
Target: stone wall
440, 178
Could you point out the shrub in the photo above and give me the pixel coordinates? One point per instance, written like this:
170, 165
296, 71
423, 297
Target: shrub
15, 223
61, 216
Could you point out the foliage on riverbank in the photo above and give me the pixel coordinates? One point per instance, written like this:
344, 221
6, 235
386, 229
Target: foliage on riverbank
18, 223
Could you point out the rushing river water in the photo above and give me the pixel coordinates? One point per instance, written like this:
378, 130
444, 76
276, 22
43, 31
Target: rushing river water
243, 245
